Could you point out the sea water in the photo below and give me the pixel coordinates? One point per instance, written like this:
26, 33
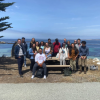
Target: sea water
93, 45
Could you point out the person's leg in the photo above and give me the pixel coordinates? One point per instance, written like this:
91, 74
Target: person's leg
71, 64
60, 61
74, 65
45, 70
34, 68
19, 66
49, 55
24, 60
80, 65
85, 65
32, 64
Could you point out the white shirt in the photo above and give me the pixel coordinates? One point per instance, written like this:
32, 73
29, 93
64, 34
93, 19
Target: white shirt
40, 58
20, 51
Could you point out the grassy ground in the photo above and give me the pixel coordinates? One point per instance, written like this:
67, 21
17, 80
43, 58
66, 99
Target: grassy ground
9, 74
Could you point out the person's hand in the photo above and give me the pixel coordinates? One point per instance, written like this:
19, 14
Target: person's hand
19, 57
85, 57
46, 56
81, 57
40, 65
75, 58
69, 57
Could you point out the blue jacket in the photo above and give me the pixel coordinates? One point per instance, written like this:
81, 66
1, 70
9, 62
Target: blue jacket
17, 48
24, 46
83, 51
31, 53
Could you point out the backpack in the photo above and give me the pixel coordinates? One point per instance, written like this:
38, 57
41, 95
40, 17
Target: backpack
39, 73
67, 71
27, 54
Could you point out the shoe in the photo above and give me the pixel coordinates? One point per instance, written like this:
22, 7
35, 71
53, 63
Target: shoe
25, 66
80, 72
44, 77
21, 75
32, 76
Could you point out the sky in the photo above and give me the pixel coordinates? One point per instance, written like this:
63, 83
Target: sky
43, 19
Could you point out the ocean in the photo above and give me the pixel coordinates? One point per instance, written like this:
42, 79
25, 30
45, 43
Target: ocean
93, 45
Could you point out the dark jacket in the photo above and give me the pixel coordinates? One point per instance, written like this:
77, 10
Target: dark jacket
17, 48
24, 46
50, 45
83, 51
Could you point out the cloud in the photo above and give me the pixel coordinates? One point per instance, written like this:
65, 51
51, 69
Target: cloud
93, 26
75, 19
17, 6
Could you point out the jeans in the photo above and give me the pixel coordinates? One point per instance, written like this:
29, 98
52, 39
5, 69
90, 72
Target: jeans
20, 63
24, 58
36, 66
32, 64
49, 55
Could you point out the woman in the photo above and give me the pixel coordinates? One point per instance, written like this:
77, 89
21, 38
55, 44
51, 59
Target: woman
42, 45
32, 41
32, 53
47, 50
37, 46
72, 55
63, 54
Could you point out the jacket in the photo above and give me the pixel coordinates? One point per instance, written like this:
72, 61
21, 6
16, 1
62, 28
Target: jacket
31, 53
17, 48
83, 51
24, 46
50, 45
56, 47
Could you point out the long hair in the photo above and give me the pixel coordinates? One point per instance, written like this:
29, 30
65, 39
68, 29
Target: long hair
34, 48
38, 43
32, 41
70, 50
43, 43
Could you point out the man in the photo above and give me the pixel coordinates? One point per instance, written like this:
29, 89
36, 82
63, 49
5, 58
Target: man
24, 45
19, 55
75, 42
83, 52
40, 59
77, 46
65, 41
50, 44
56, 48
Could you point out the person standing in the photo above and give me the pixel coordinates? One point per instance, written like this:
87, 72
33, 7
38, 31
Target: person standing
65, 41
77, 46
50, 44
19, 55
32, 41
32, 53
24, 45
68, 45
63, 54
83, 52
72, 55
56, 48
40, 59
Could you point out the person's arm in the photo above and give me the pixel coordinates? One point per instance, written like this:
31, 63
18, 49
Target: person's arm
80, 51
43, 60
16, 52
87, 52
30, 52
36, 59
77, 53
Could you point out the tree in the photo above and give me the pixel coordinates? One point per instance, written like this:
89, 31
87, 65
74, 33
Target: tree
4, 25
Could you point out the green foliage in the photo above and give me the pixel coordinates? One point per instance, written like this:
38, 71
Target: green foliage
4, 25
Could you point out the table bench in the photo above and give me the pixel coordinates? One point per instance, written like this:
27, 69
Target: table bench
56, 67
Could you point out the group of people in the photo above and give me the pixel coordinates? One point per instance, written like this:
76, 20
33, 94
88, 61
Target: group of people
77, 52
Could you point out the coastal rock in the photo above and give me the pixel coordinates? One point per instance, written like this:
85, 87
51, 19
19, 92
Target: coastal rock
95, 59
98, 63
2, 42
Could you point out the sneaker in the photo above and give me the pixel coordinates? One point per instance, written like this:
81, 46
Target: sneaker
32, 76
25, 66
44, 77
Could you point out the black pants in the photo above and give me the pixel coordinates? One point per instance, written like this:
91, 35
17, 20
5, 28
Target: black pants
20, 63
32, 64
54, 54
43, 66
77, 66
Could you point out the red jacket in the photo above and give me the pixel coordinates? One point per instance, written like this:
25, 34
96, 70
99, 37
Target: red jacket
56, 47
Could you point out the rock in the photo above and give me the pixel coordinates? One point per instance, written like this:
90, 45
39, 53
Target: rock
96, 59
98, 63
